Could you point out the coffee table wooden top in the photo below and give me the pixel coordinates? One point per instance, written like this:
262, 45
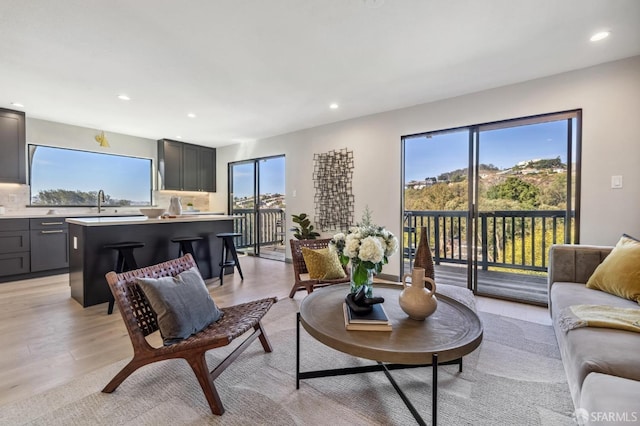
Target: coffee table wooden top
452, 331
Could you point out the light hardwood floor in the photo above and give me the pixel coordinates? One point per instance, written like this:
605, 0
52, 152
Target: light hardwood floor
48, 339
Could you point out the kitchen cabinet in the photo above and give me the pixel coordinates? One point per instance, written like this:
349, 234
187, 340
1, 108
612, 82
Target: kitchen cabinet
12, 145
207, 169
186, 167
49, 244
14, 247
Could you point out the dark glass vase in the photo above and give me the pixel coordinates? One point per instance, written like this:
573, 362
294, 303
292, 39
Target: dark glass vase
423, 255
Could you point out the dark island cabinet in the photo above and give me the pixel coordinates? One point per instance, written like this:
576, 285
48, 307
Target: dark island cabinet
12, 146
186, 167
14, 247
49, 244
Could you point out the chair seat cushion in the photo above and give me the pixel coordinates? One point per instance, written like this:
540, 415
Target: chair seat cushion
323, 264
182, 304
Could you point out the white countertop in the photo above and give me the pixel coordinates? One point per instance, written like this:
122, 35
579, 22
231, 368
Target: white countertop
143, 220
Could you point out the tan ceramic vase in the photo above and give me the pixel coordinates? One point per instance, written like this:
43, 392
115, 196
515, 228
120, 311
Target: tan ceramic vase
415, 299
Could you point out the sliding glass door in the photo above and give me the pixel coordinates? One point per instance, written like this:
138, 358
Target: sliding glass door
256, 196
494, 198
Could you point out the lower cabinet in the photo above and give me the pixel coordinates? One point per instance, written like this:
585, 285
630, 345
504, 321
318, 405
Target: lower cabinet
14, 247
49, 244
49, 249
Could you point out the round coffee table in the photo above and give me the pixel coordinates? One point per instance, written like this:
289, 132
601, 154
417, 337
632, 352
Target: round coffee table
451, 332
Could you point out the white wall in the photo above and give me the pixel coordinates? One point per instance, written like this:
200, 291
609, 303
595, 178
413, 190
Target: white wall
15, 197
608, 94
50, 133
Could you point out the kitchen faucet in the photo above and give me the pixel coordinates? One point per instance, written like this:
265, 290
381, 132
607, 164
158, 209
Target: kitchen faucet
101, 200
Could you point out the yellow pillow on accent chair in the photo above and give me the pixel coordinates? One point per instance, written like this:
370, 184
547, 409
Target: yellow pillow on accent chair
322, 264
619, 272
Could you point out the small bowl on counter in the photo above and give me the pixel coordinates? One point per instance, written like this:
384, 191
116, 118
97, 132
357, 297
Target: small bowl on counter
152, 213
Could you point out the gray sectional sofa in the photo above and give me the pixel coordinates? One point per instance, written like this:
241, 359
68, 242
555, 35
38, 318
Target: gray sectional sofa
602, 364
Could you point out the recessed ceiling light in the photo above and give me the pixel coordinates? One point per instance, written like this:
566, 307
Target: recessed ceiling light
178, 137
191, 115
333, 106
124, 98
600, 36
17, 104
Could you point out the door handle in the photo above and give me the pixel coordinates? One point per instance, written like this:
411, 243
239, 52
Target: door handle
51, 223
57, 231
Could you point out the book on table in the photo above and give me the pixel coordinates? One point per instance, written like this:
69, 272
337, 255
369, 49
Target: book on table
376, 320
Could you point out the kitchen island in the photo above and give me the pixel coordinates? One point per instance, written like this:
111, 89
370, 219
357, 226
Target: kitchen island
89, 261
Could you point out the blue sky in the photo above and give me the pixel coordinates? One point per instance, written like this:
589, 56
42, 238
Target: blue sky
272, 175
120, 177
427, 157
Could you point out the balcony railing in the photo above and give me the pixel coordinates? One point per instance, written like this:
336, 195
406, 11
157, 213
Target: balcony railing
272, 231
506, 239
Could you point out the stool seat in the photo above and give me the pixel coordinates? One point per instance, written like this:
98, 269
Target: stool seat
181, 239
124, 262
228, 246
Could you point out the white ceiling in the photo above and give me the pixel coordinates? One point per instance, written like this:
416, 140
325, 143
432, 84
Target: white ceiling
250, 69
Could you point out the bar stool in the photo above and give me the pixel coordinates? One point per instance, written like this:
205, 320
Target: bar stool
125, 262
229, 246
186, 245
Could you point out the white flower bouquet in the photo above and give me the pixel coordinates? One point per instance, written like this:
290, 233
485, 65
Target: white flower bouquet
367, 247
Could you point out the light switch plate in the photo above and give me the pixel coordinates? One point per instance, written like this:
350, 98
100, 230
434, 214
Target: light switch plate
616, 182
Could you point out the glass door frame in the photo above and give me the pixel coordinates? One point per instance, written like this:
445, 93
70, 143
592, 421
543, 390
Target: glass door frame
257, 229
255, 246
573, 147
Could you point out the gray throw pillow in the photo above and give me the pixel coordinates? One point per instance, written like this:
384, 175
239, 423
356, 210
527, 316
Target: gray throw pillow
182, 304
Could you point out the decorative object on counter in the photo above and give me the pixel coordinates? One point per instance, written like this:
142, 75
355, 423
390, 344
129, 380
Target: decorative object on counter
102, 140
190, 207
423, 257
415, 300
152, 213
332, 176
175, 207
305, 229
367, 247
1, 210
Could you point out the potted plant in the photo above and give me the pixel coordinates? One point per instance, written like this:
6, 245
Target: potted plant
304, 230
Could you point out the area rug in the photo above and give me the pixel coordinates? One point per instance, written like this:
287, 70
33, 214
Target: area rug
514, 378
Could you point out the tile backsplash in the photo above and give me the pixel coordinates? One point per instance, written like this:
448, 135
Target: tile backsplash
15, 199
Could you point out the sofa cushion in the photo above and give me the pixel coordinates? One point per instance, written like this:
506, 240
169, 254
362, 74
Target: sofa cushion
323, 264
587, 350
609, 400
619, 273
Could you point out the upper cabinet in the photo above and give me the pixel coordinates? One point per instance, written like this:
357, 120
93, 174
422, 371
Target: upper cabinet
186, 167
12, 145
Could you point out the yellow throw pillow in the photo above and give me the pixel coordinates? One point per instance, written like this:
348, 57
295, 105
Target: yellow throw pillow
619, 273
322, 264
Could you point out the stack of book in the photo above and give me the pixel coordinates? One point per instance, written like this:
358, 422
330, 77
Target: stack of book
376, 320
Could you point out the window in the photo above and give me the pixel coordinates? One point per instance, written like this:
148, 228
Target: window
69, 177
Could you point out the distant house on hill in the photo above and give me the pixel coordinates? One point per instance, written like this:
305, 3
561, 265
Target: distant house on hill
420, 184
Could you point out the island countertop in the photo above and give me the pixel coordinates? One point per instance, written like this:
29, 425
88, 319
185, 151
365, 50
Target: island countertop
143, 220
90, 258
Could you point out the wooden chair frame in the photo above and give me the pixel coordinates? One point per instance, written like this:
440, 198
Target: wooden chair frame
141, 322
299, 267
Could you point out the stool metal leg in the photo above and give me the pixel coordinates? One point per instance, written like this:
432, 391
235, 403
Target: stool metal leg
234, 253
